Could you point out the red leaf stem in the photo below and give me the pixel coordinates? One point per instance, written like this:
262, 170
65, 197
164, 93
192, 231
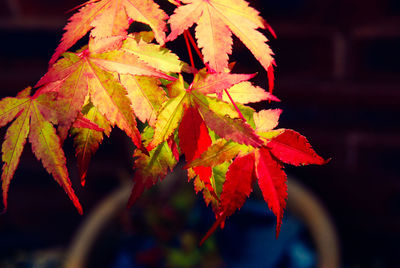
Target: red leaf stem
188, 35
185, 35
196, 48
236, 107
213, 228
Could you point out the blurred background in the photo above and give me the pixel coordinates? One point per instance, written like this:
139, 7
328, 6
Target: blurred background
338, 77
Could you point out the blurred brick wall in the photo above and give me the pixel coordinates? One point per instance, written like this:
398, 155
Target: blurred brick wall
338, 77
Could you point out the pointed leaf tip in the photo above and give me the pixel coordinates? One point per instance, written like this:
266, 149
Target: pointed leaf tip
270, 29
292, 148
266, 120
272, 182
78, 207
83, 179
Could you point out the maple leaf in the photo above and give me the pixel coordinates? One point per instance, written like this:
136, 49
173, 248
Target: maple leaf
218, 177
238, 184
292, 148
111, 18
154, 55
146, 96
219, 152
279, 145
219, 116
31, 122
236, 189
194, 140
245, 92
215, 83
150, 169
222, 118
216, 21
193, 134
241, 173
265, 120
209, 195
88, 140
119, 76
89, 73
272, 182
170, 113
82, 122
173, 145
212, 196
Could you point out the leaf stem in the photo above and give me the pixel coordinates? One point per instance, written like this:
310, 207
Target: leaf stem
188, 35
185, 34
214, 227
234, 104
196, 48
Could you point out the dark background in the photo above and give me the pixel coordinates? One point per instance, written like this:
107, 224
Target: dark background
338, 77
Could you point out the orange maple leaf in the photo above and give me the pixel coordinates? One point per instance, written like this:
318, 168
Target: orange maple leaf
111, 18
216, 20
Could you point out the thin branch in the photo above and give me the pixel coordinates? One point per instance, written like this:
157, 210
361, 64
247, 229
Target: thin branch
185, 34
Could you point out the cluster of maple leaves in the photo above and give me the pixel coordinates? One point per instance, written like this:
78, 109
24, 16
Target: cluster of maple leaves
122, 76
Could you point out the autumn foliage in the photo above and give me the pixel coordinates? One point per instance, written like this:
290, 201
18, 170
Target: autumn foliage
123, 76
